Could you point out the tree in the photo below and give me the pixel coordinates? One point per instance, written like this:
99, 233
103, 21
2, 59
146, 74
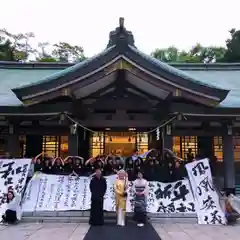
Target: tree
65, 52
233, 47
15, 47
43, 55
170, 54
198, 54
6, 51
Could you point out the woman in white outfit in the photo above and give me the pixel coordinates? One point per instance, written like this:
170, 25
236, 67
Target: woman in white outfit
13, 212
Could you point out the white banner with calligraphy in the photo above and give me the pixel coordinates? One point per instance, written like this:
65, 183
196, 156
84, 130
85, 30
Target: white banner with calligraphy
13, 173
207, 201
62, 193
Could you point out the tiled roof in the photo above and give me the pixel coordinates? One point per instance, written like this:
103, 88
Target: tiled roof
222, 78
226, 76
70, 69
14, 78
173, 70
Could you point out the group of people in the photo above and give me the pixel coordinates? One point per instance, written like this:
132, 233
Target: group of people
98, 187
154, 168
129, 169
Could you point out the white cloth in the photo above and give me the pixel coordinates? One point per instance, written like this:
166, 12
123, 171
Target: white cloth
234, 202
31, 170
135, 157
120, 217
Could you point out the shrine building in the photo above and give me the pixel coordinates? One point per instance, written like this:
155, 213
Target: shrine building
118, 97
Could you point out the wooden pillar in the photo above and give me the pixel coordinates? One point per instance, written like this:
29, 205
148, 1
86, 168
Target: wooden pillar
205, 146
13, 142
228, 161
84, 143
73, 141
33, 145
168, 138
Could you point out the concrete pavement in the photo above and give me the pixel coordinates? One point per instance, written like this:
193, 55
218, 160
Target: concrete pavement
75, 231
197, 232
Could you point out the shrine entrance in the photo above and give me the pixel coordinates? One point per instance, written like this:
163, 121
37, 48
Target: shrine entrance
121, 143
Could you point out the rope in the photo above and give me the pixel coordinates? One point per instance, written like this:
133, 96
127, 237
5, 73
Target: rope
160, 126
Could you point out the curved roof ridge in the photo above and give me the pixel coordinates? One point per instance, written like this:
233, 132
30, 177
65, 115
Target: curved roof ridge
172, 69
69, 69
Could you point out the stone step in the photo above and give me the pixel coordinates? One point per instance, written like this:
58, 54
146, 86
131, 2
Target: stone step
110, 217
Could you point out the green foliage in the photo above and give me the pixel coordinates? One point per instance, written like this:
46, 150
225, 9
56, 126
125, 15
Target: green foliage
233, 47
198, 54
17, 47
65, 52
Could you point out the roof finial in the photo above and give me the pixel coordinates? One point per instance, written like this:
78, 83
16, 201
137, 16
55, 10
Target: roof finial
121, 22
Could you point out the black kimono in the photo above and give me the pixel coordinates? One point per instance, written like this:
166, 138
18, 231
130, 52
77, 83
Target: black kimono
68, 168
129, 168
57, 169
47, 169
150, 171
108, 170
78, 169
98, 187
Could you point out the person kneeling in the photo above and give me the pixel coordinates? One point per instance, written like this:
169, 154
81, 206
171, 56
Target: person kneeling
12, 214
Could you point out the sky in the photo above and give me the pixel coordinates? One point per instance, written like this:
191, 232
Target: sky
154, 23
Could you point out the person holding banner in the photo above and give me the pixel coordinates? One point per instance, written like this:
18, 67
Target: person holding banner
140, 201
58, 166
98, 187
120, 188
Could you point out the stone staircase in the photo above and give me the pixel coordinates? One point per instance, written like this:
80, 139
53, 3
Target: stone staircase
237, 188
83, 216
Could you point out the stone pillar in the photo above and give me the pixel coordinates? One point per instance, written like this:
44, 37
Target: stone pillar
228, 162
13, 143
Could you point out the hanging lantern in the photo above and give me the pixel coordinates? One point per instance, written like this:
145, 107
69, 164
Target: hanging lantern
229, 129
169, 129
11, 129
179, 117
73, 128
62, 118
